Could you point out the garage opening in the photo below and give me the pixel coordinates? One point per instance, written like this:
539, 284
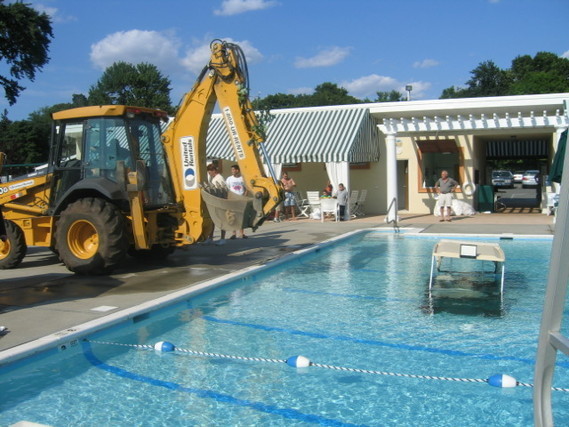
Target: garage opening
517, 169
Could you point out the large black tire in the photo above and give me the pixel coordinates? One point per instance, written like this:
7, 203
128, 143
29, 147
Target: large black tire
13, 250
90, 237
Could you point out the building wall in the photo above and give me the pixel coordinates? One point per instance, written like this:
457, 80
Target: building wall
421, 199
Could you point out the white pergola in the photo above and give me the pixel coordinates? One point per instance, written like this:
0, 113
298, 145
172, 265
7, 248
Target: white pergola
459, 116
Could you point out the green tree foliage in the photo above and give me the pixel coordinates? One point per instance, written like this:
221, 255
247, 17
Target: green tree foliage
23, 141
324, 94
544, 73
24, 45
27, 141
392, 96
332, 94
141, 85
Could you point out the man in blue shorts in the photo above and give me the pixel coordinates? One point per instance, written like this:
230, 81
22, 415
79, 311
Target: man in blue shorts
289, 201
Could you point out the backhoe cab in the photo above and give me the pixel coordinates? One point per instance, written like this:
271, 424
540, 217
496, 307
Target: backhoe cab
115, 183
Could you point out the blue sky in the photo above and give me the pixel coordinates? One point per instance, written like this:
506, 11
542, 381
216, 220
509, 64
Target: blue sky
293, 45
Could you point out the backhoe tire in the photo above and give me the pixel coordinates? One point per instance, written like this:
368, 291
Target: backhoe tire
90, 237
14, 249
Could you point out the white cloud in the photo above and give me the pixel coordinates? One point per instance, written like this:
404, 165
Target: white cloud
426, 63
53, 13
325, 58
367, 86
565, 54
136, 46
197, 57
234, 7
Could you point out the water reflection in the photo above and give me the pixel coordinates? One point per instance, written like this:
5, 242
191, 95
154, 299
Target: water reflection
464, 293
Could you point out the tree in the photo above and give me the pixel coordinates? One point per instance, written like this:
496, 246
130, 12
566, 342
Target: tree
392, 96
331, 94
324, 94
544, 73
23, 141
141, 85
24, 45
276, 101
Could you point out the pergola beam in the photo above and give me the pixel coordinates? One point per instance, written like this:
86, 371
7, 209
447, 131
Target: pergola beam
482, 122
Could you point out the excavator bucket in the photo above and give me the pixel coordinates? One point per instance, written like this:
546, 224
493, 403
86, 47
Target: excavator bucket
230, 211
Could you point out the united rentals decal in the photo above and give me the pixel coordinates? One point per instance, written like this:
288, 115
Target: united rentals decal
237, 145
189, 163
16, 186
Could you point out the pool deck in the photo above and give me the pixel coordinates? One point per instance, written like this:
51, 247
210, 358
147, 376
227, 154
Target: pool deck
41, 300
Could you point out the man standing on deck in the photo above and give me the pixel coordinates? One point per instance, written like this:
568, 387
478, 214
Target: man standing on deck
445, 187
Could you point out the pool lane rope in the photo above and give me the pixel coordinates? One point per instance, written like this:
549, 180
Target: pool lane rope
496, 380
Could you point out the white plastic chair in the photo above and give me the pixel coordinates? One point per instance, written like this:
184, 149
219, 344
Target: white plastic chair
329, 206
353, 202
313, 200
359, 207
302, 204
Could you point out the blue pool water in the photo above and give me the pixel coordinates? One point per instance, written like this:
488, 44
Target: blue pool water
360, 304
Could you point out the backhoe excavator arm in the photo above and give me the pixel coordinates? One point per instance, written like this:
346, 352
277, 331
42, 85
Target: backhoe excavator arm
223, 80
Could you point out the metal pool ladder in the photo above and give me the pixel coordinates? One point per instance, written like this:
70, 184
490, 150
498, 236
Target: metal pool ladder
550, 339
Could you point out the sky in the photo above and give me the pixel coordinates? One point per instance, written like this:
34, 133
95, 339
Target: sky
292, 46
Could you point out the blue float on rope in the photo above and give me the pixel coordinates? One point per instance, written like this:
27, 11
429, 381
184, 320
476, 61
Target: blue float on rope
164, 346
298, 362
502, 380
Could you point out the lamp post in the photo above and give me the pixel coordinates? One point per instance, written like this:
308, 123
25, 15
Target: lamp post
408, 88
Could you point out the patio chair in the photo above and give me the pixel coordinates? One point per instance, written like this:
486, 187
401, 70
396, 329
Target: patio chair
353, 201
359, 207
313, 200
329, 206
302, 204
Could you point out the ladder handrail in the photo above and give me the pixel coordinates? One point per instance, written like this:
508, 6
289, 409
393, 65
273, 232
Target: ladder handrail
550, 339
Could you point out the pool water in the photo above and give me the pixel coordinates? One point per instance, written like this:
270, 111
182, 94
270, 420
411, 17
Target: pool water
361, 304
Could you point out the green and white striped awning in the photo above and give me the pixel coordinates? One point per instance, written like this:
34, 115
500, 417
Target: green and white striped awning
308, 135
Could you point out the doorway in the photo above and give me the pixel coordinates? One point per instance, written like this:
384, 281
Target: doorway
403, 184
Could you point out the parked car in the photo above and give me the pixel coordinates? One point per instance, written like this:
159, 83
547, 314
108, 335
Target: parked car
502, 179
518, 177
530, 179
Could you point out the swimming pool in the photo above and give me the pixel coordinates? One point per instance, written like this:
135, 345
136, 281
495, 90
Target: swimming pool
359, 304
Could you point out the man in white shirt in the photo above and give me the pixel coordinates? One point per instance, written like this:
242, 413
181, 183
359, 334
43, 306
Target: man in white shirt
236, 184
216, 180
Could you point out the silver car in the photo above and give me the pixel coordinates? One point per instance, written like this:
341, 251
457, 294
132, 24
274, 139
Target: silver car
502, 179
530, 179
518, 177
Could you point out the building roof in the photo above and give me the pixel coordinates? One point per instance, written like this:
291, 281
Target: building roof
326, 134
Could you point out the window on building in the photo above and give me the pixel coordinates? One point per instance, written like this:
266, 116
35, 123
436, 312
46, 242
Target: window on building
292, 167
436, 156
360, 165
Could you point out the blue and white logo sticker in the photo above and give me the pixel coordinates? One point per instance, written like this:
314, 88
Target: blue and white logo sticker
189, 163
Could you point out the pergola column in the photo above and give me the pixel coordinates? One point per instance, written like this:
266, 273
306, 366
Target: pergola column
391, 160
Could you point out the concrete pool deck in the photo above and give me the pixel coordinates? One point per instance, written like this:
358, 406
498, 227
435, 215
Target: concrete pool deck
41, 300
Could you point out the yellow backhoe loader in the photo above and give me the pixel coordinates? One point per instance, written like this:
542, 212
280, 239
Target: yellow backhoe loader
116, 183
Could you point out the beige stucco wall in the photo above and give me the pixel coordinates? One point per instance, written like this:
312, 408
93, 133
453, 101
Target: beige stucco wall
313, 177
419, 200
